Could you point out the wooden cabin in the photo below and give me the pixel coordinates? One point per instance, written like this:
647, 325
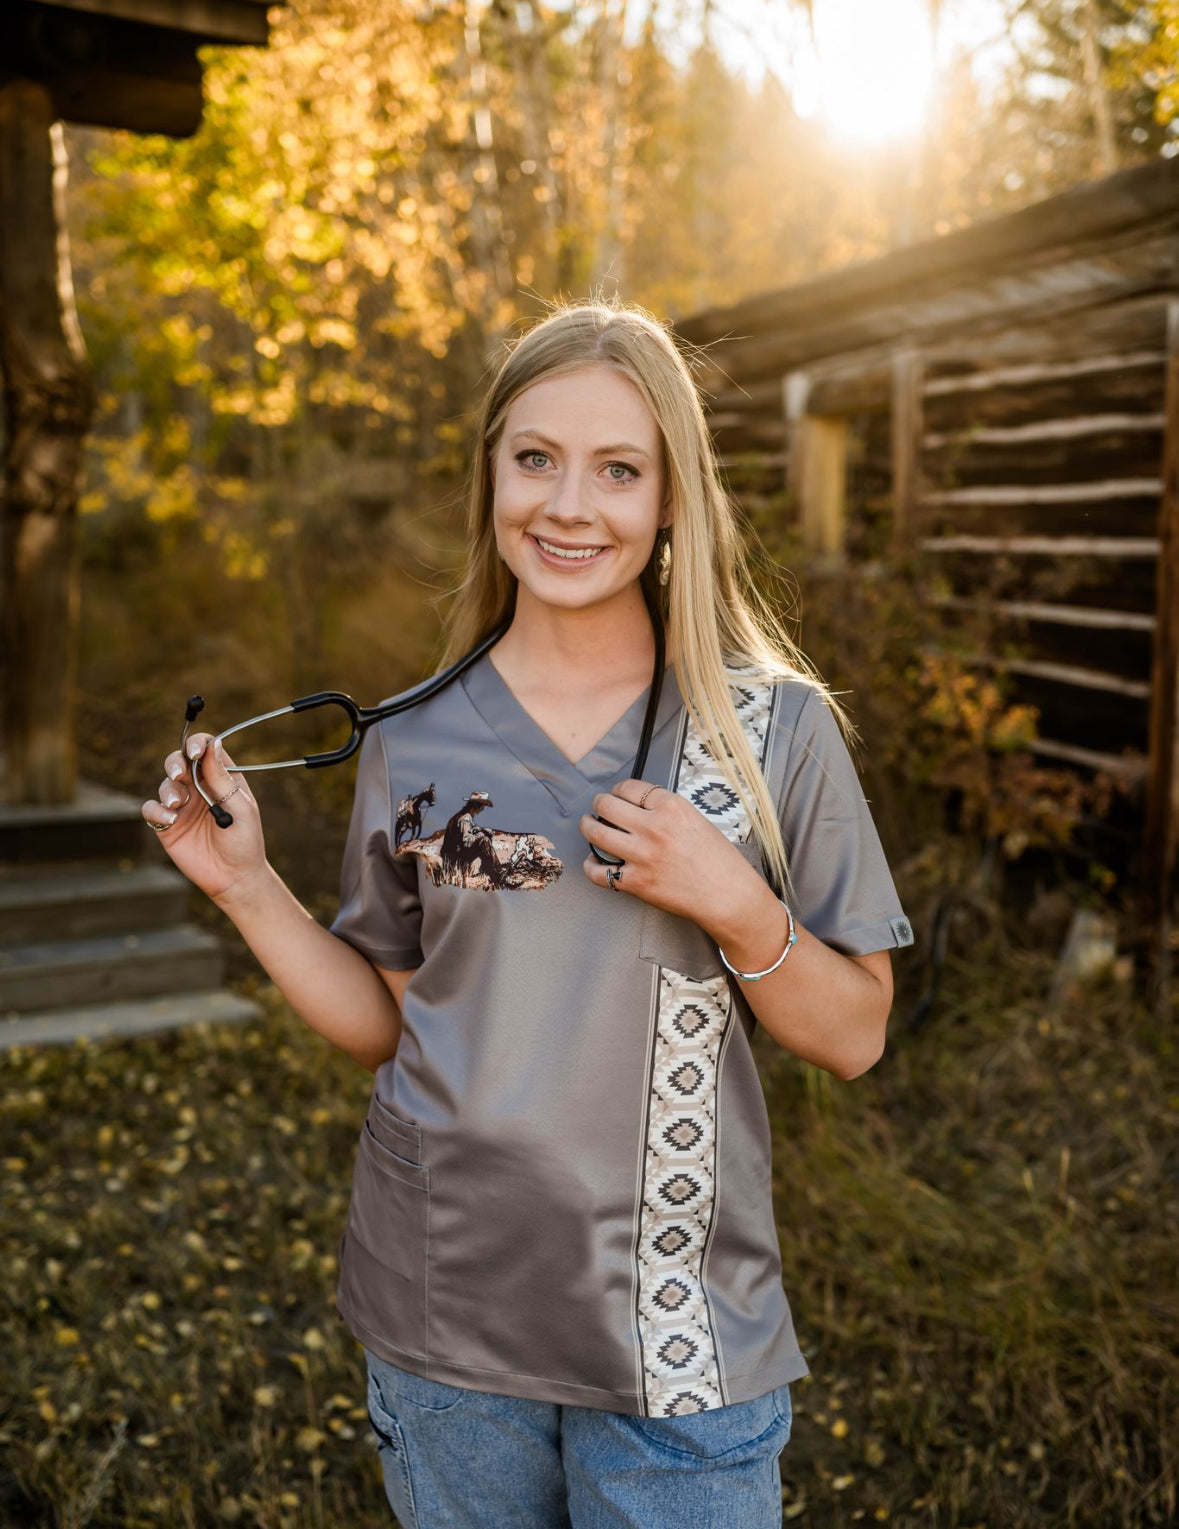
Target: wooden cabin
1000, 405
94, 937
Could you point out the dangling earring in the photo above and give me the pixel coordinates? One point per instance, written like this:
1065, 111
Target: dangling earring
665, 556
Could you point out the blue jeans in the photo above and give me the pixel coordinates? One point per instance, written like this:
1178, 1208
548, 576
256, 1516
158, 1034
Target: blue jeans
454, 1458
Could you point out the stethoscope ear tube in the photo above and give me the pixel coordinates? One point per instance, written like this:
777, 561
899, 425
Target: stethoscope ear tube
363, 717
604, 857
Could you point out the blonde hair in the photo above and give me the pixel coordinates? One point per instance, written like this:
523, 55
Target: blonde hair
713, 614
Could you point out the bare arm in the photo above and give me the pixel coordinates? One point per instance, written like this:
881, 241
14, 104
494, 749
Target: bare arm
329, 984
826, 1007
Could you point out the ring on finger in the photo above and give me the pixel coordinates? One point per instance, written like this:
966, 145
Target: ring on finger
646, 794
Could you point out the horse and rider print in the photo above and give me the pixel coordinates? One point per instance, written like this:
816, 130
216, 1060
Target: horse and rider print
466, 854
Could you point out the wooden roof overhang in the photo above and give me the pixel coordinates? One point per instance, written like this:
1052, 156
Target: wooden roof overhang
123, 63
1097, 243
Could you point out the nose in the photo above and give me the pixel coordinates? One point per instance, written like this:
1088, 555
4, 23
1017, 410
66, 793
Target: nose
569, 499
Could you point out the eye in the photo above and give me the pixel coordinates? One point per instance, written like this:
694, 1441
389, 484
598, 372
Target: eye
525, 457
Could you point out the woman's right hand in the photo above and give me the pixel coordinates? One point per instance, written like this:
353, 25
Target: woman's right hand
220, 861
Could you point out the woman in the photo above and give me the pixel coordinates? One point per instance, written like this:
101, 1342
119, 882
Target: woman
560, 1254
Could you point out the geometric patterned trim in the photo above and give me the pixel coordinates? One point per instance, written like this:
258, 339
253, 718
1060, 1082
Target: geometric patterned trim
681, 1365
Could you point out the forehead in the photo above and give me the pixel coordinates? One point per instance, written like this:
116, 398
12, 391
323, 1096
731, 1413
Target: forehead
586, 407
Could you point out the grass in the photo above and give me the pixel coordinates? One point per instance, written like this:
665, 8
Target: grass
978, 1242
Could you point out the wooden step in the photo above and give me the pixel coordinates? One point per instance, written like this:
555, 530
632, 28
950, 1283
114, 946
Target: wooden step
140, 1016
89, 898
66, 973
98, 824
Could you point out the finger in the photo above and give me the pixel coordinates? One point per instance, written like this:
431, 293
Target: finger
619, 810
176, 765
153, 813
211, 769
597, 873
614, 840
595, 870
173, 794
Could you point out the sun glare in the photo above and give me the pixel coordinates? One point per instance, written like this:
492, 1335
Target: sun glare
870, 79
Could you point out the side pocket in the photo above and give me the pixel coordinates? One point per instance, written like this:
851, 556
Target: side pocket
394, 1459
385, 1246
666, 939
401, 1137
734, 1432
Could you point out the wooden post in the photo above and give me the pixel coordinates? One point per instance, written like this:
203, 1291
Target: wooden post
817, 470
795, 391
49, 403
907, 425
1162, 782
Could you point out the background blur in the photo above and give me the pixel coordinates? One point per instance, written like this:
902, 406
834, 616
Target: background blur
291, 315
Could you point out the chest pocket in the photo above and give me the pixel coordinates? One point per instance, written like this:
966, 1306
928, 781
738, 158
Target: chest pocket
679, 944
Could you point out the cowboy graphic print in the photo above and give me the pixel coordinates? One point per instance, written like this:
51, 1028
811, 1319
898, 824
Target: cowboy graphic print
467, 854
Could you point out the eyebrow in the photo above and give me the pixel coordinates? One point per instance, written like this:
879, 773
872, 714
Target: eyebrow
601, 451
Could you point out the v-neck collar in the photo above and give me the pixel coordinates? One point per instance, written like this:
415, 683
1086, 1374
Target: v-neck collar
569, 784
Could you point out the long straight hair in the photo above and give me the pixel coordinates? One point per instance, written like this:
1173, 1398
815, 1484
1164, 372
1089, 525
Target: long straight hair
713, 613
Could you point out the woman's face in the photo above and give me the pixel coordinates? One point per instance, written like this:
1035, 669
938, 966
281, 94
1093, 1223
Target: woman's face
578, 491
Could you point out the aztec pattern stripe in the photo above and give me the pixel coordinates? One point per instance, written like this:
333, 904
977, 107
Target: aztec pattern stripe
680, 1359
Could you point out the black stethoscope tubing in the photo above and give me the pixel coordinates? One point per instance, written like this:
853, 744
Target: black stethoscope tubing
363, 717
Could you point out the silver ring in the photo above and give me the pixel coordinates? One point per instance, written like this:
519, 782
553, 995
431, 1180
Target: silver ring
613, 876
228, 794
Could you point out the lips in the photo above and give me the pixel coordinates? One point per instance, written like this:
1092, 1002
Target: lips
574, 557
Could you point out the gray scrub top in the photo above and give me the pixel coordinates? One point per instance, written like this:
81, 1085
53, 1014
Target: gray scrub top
562, 1187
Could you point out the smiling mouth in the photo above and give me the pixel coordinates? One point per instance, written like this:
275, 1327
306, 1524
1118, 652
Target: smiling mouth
567, 554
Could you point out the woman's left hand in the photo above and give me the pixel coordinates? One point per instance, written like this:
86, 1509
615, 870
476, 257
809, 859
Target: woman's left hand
675, 858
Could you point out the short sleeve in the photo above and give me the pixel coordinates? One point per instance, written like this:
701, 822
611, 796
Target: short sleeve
380, 909
844, 892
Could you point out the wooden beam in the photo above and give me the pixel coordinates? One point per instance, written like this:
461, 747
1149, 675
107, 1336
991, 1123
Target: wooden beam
1045, 430
1072, 753
1087, 616
906, 425
1029, 376
223, 21
49, 402
1162, 791
1063, 674
1047, 546
1118, 208
1050, 493
1076, 674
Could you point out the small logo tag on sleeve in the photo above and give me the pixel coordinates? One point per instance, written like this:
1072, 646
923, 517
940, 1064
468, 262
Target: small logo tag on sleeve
902, 930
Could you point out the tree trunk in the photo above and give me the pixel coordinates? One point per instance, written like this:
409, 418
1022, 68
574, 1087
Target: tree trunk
49, 403
1098, 96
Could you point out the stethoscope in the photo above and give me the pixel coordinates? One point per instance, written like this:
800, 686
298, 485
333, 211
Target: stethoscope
363, 717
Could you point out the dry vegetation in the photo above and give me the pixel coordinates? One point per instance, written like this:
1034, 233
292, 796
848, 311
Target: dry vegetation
978, 1242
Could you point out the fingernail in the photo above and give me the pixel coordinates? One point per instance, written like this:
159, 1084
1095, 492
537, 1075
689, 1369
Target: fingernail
194, 748
171, 800
218, 751
176, 770
170, 817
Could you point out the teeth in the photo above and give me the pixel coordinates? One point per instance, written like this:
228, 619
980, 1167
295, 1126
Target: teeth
568, 552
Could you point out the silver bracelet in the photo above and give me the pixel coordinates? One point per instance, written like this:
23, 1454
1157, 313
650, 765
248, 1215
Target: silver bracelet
757, 976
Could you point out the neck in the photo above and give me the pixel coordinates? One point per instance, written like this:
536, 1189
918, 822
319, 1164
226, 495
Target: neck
555, 647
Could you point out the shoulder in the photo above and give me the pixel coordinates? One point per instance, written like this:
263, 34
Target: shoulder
418, 704
794, 698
